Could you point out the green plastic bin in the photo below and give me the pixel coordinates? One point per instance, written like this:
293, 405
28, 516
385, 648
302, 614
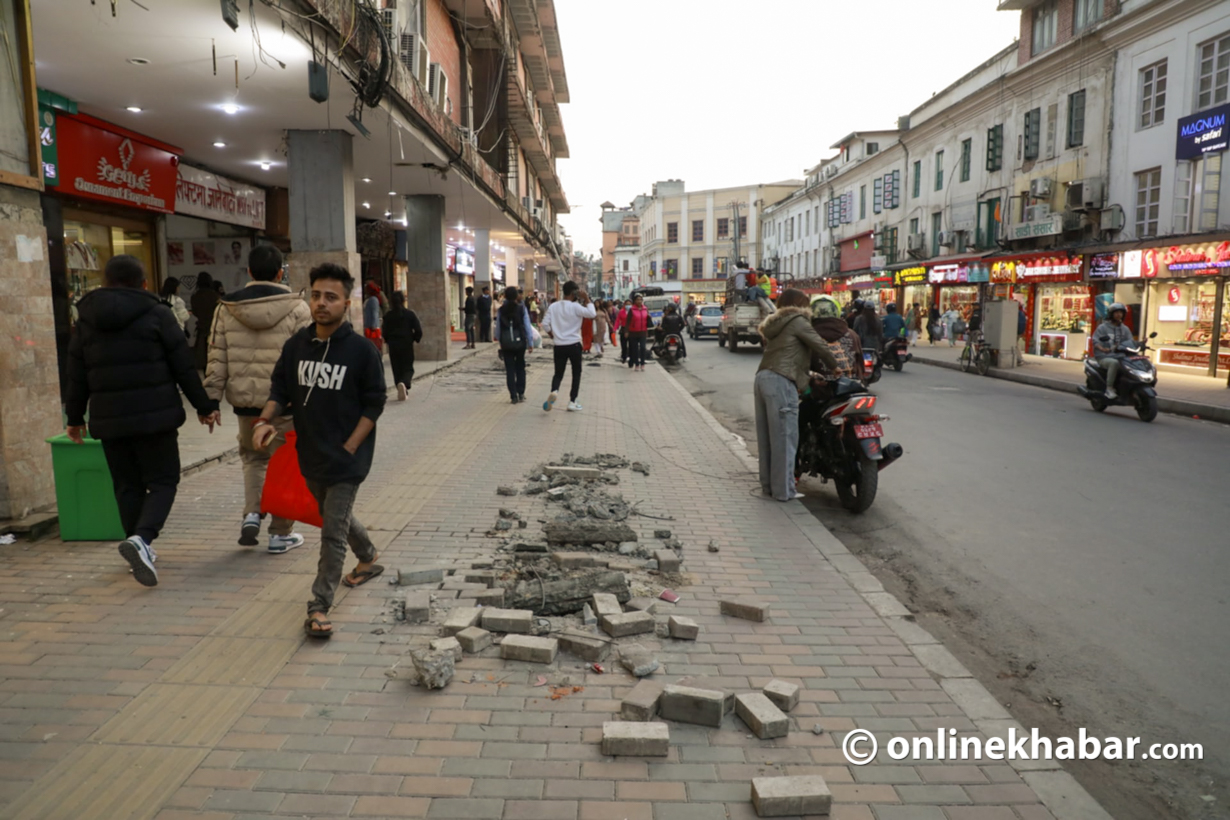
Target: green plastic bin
84, 492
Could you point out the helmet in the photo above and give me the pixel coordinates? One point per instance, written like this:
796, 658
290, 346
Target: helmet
857, 304
825, 307
891, 307
1116, 306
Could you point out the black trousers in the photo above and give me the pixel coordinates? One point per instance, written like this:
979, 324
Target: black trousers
565, 354
623, 344
637, 343
401, 357
145, 472
484, 327
514, 372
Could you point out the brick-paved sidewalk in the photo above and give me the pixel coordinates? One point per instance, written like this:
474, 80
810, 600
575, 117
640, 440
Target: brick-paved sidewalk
201, 699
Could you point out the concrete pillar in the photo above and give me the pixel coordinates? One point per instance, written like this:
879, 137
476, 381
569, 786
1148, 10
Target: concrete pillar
510, 268
427, 279
482, 260
320, 166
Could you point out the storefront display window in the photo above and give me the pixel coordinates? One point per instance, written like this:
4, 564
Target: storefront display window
1063, 320
1183, 316
89, 243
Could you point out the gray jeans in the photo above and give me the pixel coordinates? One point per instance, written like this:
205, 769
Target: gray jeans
777, 432
1111, 365
341, 528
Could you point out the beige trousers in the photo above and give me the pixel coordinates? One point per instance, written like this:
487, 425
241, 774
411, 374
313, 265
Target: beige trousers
255, 463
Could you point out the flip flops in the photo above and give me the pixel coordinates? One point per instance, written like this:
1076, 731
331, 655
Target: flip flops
358, 579
318, 633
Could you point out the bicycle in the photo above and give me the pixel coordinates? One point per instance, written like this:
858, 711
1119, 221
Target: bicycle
976, 354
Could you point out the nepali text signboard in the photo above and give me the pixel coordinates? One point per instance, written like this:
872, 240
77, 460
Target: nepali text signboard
1051, 226
1104, 266
208, 196
114, 166
1203, 133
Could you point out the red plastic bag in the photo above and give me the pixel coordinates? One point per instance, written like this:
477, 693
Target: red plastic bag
285, 493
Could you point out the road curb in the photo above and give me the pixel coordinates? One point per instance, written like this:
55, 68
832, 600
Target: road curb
1179, 407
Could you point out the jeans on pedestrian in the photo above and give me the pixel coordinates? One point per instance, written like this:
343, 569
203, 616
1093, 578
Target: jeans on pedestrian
470, 323
777, 432
636, 355
145, 475
565, 355
1111, 365
255, 462
401, 358
514, 372
623, 344
340, 528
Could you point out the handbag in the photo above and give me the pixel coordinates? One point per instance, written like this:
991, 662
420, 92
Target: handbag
376, 337
958, 327
512, 335
285, 493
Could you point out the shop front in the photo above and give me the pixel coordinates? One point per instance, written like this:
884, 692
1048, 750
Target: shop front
877, 288
957, 285
461, 273
1184, 303
913, 288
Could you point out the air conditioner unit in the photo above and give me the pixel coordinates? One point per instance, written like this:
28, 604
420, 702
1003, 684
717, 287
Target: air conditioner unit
408, 52
538, 204
830, 171
1040, 188
947, 238
1112, 218
916, 241
536, 212
424, 71
1084, 195
1037, 213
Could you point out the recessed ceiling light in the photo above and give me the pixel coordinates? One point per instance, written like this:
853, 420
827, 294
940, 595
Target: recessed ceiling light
392, 193
265, 166
139, 60
134, 109
367, 179
231, 108
367, 204
219, 144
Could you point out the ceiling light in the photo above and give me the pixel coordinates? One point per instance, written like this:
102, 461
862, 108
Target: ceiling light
392, 193
366, 179
265, 166
367, 204
388, 214
134, 109
231, 108
138, 60
219, 144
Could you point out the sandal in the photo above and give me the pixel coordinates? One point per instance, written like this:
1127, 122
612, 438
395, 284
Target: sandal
358, 579
318, 627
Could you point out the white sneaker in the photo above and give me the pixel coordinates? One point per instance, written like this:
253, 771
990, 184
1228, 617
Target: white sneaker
574, 407
401, 391
141, 558
550, 402
279, 544
1111, 394
250, 530
796, 494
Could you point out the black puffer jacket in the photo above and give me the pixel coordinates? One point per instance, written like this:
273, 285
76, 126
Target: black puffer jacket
126, 357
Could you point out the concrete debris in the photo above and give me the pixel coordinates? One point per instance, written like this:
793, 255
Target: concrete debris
791, 796
785, 696
448, 645
587, 647
473, 639
572, 471
638, 660
505, 490
503, 524
684, 629
411, 577
642, 702
506, 513
713, 545
663, 534
588, 618
635, 739
435, 667
566, 595
640, 467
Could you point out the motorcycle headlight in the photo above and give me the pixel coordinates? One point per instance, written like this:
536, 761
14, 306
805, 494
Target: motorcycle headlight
1144, 375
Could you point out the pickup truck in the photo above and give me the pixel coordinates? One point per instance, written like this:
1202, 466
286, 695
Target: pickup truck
740, 321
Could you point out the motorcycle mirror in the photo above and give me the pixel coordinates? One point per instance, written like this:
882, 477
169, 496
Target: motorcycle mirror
1153, 335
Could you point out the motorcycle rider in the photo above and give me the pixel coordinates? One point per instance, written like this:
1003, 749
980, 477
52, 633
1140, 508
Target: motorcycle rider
1105, 351
672, 322
843, 342
894, 323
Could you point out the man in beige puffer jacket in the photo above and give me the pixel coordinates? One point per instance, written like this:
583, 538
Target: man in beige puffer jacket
250, 328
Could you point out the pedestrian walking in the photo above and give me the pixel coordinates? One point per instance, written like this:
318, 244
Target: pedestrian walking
171, 298
484, 315
204, 303
790, 342
469, 317
402, 331
869, 329
250, 327
126, 360
371, 315
563, 324
911, 320
621, 327
933, 324
600, 329
516, 337
636, 324
950, 320
333, 381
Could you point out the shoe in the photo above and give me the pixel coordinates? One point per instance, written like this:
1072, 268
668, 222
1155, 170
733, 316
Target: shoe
574, 407
251, 529
401, 391
515, 400
550, 402
1111, 394
796, 494
279, 544
521, 397
140, 556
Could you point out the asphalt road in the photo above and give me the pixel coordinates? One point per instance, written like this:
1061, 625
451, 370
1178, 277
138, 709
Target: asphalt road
1078, 563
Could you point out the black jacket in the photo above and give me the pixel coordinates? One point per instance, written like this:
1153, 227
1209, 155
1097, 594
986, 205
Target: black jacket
402, 326
673, 323
484, 305
328, 386
470, 307
124, 361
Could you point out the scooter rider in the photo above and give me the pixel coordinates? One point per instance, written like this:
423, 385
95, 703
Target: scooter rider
672, 322
1105, 351
894, 323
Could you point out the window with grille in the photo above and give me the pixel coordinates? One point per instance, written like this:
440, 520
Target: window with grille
1045, 25
939, 170
862, 202
1148, 202
1076, 119
886, 244
723, 228
917, 178
1087, 13
833, 212
1213, 83
671, 267
892, 190
672, 231
936, 222
967, 149
877, 195
995, 148
625, 264
1152, 95
743, 226
698, 230
914, 225
698, 268
1033, 133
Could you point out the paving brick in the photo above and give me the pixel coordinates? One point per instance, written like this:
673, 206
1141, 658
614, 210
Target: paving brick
705, 707
474, 639
628, 623
597, 810
519, 621
749, 609
461, 618
785, 696
764, 719
486, 597
642, 702
541, 810
479, 576
576, 560
572, 472
642, 604
636, 739
584, 645
668, 561
529, 648
418, 606
606, 604
410, 577
369, 806
790, 796
448, 645
684, 629
466, 808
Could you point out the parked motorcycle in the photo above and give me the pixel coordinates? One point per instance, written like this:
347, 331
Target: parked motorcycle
896, 354
1135, 384
872, 365
669, 348
839, 439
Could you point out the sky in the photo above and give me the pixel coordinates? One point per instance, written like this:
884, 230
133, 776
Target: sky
732, 92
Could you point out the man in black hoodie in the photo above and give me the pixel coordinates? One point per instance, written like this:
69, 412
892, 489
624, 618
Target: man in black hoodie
125, 361
332, 380
484, 315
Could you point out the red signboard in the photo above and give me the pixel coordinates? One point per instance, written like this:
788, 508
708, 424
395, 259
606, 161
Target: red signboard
115, 166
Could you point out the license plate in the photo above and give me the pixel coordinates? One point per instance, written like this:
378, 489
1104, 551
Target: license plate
868, 431
712, 330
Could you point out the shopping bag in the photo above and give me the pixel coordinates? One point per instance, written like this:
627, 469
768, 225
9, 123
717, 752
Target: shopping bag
285, 493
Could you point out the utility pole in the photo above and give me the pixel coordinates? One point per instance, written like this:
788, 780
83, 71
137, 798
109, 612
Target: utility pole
735, 231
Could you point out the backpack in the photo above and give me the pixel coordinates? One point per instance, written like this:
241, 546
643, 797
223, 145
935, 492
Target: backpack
512, 334
843, 352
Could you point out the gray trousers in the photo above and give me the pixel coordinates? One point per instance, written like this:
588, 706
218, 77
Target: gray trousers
1111, 363
340, 528
777, 432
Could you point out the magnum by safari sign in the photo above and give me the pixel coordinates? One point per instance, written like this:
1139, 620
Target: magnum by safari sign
104, 162
1203, 133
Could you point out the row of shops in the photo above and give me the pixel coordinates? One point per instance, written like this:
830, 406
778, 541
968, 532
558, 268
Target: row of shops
1179, 292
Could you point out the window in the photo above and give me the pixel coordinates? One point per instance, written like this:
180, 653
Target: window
790, 229
886, 244
698, 268
698, 230
1088, 12
1214, 72
671, 269
807, 232
1046, 23
862, 202
722, 263
1052, 116
672, 231
873, 148
1210, 191
1033, 133
892, 190
1152, 95
877, 195
917, 178
939, 170
914, 225
995, 148
1148, 202
743, 226
936, 221
723, 227
625, 265
967, 150
1183, 177
1076, 119
988, 224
